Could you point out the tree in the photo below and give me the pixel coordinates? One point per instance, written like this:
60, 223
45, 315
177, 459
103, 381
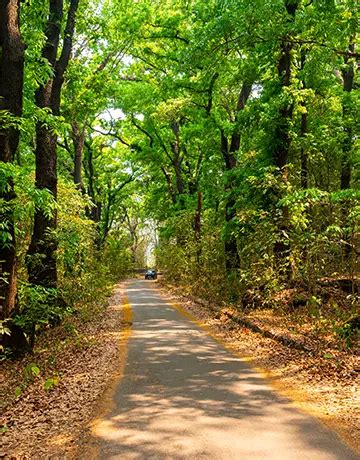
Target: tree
233, 135
11, 94
42, 250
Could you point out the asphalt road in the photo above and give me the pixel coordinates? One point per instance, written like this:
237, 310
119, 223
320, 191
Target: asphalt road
184, 396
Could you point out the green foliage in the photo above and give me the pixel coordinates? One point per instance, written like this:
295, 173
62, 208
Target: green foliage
4, 429
328, 356
51, 383
18, 392
32, 370
175, 157
4, 330
38, 307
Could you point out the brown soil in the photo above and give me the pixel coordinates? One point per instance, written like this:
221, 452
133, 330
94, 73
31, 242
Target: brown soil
81, 357
324, 380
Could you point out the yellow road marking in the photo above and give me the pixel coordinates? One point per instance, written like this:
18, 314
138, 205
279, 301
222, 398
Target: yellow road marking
107, 403
296, 398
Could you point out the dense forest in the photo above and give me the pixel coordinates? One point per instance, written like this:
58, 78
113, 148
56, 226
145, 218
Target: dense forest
220, 135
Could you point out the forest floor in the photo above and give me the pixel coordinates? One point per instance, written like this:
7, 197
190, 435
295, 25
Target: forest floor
322, 379
51, 395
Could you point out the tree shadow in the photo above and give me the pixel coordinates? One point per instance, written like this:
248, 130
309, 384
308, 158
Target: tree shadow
185, 396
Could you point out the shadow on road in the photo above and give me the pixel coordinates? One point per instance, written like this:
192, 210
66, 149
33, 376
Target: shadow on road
184, 396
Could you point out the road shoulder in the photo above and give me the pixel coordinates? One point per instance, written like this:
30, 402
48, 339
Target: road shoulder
85, 361
333, 399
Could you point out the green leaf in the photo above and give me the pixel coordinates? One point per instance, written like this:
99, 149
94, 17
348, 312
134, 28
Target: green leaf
32, 369
51, 383
18, 392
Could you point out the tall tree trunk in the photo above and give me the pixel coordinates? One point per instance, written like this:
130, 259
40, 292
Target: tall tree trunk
197, 226
282, 143
11, 90
177, 160
348, 82
345, 177
232, 259
78, 138
107, 216
132, 225
169, 183
304, 170
41, 260
303, 154
93, 212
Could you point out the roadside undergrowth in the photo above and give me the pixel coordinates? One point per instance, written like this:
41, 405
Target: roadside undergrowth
50, 395
321, 379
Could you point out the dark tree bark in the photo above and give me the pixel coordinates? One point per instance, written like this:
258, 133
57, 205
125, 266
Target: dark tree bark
94, 213
41, 260
112, 200
232, 259
132, 226
169, 183
63, 61
173, 191
304, 174
11, 90
197, 225
177, 159
282, 141
78, 138
345, 177
107, 219
303, 153
348, 82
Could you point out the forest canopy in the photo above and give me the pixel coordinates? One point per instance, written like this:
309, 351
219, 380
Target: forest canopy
223, 132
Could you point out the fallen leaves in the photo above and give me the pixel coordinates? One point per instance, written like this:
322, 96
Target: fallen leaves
46, 418
324, 379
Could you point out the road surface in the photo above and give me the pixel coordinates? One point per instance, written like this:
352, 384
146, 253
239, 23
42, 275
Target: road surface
184, 396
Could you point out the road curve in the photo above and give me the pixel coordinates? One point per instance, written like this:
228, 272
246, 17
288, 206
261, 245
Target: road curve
184, 396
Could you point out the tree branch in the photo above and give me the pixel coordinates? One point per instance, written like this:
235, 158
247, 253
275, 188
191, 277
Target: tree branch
147, 134
210, 92
176, 36
109, 133
62, 62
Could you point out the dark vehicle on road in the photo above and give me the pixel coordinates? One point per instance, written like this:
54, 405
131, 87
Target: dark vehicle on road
150, 275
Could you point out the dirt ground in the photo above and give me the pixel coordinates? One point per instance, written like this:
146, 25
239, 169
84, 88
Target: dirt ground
61, 383
324, 380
